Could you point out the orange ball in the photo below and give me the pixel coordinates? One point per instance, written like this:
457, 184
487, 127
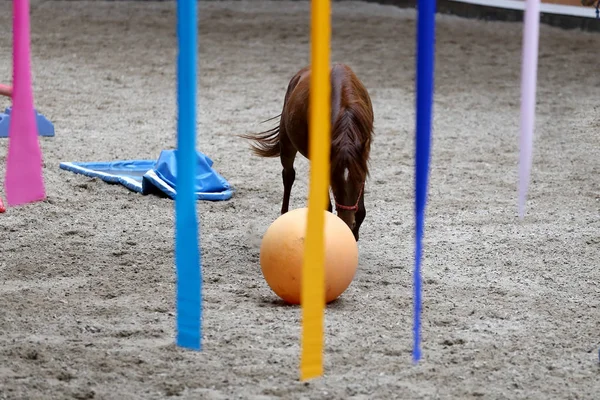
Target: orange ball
282, 255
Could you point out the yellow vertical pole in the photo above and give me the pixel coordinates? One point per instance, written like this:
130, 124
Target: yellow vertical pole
313, 272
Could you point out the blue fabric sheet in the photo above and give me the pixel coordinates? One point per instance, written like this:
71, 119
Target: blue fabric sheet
156, 176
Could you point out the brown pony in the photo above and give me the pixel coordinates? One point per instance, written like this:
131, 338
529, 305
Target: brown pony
351, 133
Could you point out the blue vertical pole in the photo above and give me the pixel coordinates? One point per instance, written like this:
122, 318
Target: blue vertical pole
187, 253
424, 104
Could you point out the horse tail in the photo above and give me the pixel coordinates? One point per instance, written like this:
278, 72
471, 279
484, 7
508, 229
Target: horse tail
266, 143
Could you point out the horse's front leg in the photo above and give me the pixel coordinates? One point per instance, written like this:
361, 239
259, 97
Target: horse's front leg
361, 213
329, 206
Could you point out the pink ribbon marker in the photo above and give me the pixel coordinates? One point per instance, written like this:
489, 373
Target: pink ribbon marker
24, 181
5, 91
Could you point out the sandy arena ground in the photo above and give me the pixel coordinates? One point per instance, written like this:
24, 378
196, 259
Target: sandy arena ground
511, 308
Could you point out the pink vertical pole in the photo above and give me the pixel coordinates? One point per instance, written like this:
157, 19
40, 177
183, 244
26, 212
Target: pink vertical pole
24, 181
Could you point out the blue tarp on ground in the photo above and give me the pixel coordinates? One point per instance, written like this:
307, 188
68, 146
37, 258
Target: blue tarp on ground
154, 176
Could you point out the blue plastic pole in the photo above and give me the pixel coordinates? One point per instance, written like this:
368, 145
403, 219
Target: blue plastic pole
187, 253
424, 104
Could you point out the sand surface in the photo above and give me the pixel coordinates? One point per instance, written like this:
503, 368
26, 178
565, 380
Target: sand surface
511, 308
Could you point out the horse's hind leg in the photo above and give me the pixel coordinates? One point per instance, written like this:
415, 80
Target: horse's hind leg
287, 157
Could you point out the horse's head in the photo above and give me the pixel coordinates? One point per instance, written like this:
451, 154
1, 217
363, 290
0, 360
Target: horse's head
347, 200
350, 148
347, 185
